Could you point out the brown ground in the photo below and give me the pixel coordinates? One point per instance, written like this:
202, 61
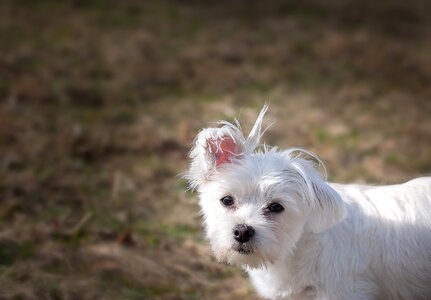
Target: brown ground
100, 101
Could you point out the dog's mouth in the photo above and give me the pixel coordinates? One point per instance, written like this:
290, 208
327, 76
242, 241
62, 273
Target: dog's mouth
243, 249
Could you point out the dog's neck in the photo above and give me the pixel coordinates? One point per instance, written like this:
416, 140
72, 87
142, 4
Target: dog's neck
288, 273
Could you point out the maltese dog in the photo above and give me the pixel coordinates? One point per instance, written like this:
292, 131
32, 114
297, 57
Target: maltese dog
300, 237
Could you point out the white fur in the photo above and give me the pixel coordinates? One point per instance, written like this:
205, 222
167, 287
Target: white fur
332, 241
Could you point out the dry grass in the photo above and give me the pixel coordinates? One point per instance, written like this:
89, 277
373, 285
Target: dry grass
100, 101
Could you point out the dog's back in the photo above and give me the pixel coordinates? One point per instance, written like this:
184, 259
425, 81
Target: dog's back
391, 233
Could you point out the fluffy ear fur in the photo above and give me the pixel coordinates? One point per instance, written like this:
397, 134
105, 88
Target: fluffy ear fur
329, 209
215, 147
326, 208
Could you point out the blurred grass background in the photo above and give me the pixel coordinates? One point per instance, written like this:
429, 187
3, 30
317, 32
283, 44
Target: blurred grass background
100, 102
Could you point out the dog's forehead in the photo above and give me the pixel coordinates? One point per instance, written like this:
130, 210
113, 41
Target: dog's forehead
253, 174
260, 165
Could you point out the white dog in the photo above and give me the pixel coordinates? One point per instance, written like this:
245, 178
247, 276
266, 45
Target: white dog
299, 237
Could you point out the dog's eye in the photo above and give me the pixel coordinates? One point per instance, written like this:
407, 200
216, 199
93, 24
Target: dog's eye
275, 207
227, 200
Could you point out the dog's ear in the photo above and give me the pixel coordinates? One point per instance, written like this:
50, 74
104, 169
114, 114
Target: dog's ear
213, 148
324, 205
222, 150
327, 207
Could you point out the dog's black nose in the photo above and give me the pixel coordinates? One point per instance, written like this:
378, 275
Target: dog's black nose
242, 233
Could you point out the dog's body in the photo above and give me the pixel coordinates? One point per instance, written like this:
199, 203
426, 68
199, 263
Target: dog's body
381, 250
300, 237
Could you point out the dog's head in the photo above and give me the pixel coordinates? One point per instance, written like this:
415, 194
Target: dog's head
257, 204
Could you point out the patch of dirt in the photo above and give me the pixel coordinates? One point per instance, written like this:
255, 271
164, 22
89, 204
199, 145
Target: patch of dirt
100, 102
